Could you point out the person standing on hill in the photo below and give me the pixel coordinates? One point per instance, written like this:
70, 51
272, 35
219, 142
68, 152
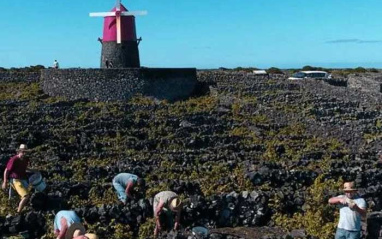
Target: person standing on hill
352, 208
56, 65
16, 171
166, 205
124, 184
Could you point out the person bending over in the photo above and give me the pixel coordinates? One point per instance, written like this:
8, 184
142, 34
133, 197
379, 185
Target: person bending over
166, 205
67, 225
124, 184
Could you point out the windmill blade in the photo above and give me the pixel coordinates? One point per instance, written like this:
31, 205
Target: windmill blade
134, 13
102, 14
118, 20
118, 5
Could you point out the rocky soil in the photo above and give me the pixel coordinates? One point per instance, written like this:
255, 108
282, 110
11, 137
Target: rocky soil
253, 157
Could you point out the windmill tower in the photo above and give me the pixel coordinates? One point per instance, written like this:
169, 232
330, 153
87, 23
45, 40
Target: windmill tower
119, 42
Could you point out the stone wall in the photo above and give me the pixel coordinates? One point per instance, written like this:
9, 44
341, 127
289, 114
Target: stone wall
119, 84
19, 76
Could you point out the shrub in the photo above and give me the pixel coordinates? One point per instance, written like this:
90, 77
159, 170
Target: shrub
313, 68
275, 70
373, 70
359, 70
319, 217
309, 68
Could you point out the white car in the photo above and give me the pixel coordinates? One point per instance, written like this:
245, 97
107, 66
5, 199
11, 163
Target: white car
310, 74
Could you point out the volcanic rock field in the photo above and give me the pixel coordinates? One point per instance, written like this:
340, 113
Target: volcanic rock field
251, 157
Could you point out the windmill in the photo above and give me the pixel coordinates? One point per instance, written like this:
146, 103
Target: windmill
119, 42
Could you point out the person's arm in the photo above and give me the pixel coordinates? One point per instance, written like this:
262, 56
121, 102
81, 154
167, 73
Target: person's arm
7, 170
337, 200
177, 219
129, 188
157, 212
64, 228
5, 181
359, 206
360, 210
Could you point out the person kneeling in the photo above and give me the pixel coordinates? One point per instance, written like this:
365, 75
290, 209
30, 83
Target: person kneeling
124, 184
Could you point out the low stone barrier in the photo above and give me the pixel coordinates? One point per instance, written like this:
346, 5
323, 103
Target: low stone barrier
119, 84
19, 76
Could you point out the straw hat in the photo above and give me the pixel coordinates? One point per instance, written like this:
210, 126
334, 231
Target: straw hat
72, 229
175, 204
91, 236
349, 187
23, 147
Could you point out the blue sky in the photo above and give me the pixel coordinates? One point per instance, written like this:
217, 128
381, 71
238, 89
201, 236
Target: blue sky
199, 33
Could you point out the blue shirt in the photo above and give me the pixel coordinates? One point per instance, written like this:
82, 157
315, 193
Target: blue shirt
350, 219
124, 178
70, 216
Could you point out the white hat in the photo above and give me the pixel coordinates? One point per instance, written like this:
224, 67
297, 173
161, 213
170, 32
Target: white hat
23, 147
175, 204
91, 236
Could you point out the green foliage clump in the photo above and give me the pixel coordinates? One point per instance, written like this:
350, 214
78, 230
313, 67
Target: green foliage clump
19, 91
195, 105
373, 70
95, 198
146, 230
359, 70
318, 218
142, 100
211, 181
121, 231
7, 206
347, 72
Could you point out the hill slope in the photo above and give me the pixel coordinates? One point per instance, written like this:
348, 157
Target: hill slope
283, 147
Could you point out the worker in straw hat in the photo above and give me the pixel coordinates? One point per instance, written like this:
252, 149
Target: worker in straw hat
352, 208
166, 205
67, 225
16, 171
124, 184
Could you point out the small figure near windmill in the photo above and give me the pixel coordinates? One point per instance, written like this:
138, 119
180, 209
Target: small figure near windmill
119, 42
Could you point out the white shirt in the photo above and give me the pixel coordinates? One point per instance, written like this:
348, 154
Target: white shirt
350, 219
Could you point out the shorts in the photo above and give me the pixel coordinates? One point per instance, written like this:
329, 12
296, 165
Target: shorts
21, 187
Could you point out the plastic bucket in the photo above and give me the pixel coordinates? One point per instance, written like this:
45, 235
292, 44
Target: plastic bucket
200, 232
37, 182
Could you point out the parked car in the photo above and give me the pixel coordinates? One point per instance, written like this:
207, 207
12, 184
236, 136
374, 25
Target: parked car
310, 74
